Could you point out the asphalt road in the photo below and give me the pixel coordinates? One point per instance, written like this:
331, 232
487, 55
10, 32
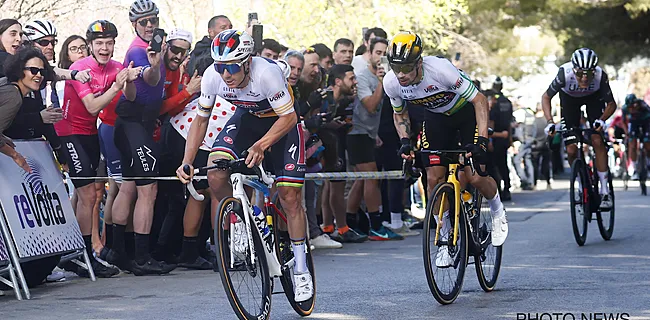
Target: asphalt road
543, 271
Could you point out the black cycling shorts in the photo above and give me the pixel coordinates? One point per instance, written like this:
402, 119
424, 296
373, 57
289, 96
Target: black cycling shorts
287, 155
139, 153
443, 132
82, 156
572, 115
361, 149
173, 151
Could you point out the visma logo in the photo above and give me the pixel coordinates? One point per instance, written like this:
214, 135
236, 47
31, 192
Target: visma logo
37, 206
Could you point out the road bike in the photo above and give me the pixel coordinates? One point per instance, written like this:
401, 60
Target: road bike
250, 245
469, 233
642, 167
584, 193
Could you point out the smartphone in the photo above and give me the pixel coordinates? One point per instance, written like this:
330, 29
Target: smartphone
258, 31
363, 33
157, 40
457, 58
384, 63
252, 16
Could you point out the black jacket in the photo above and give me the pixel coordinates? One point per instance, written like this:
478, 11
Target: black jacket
201, 48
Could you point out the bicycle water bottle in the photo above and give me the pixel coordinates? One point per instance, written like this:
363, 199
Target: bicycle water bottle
260, 221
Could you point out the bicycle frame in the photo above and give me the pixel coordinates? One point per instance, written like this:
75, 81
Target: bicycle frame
451, 178
238, 181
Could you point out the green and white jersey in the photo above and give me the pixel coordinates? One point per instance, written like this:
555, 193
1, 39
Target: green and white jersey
443, 88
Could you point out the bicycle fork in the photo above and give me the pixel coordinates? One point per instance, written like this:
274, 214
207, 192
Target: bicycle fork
452, 180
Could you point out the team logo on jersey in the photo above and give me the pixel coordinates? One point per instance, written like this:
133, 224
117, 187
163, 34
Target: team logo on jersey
231, 127
289, 166
277, 96
229, 96
434, 159
435, 101
227, 139
430, 89
458, 84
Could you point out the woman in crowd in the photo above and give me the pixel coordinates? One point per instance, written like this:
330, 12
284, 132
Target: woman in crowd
25, 71
10, 36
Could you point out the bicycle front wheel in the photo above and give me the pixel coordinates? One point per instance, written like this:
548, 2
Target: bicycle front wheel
606, 218
487, 260
579, 201
247, 283
284, 251
445, 279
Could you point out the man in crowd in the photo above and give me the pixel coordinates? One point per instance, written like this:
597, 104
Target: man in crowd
361, 61
343, 51
270, 49
500, 122
325, 56
202, 48
134, 137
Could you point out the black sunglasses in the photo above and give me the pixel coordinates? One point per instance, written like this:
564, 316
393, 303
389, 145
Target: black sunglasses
45, 42
153, 21
36, 70
178, 50
580, 72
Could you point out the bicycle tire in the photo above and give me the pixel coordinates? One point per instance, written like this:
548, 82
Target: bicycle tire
577, 171
285, 254
626, 176
487, 282
444, 190
643, 173
223, 259
606, 232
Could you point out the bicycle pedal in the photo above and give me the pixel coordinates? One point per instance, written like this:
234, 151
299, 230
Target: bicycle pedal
278, 292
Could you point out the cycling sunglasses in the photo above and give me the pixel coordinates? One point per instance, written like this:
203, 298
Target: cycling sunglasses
36, 70
45, 42
403, 68
178, 50
144, 22
231, 67
581, 72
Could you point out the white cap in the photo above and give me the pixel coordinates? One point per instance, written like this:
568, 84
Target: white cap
180, 34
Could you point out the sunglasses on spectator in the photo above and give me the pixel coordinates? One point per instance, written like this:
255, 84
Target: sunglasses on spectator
178, 50
403, 68
45, 42
144, 22
231, 67
581, 73
79, 49
35, 70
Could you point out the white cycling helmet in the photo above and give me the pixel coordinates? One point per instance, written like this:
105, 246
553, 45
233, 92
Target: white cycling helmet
142, 8
231, 45
180, 34
39, 28
584, 58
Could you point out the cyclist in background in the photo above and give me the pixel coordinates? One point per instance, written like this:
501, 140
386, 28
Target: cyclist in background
636, 115
582, 82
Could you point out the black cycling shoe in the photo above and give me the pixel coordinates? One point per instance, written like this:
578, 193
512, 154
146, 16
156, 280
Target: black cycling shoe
152, 266
198, 264
101, 271
118, 260
104, 253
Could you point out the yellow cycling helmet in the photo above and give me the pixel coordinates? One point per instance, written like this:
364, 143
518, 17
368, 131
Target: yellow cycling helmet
405, 48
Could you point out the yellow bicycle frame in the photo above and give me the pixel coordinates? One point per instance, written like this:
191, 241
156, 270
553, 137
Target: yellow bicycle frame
451, 178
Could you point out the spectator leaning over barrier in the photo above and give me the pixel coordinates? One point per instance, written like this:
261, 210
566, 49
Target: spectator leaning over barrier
202, 48
25, 71
343, 51
361, 61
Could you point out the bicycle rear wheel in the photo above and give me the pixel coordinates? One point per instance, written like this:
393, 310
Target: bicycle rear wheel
487, 260
248, 285
445, 283
579, 201
606, 218
285, 256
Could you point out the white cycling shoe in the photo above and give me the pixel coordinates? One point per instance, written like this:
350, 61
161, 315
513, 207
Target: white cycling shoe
303, 287
499, 227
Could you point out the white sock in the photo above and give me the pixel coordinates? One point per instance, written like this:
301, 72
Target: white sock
604, 187
300, 253
446, 225
396, 220
496, 205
